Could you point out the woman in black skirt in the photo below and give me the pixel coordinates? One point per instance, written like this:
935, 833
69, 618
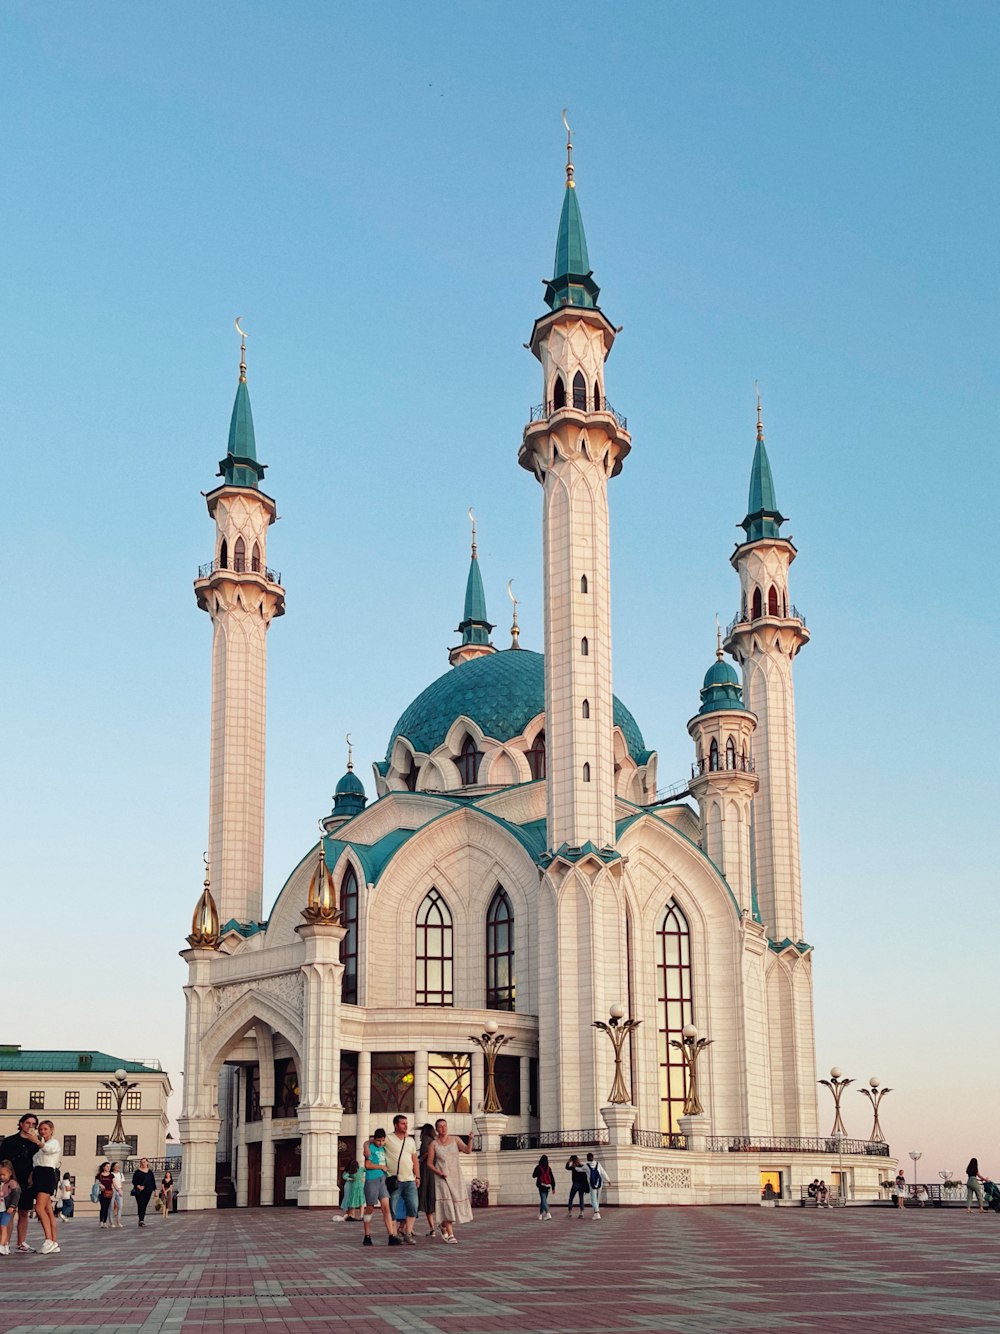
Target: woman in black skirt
143, 1188
44, 1180
426, 1192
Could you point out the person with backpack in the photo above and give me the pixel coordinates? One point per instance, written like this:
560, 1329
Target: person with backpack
597, 1179
545, 1182
579, 1184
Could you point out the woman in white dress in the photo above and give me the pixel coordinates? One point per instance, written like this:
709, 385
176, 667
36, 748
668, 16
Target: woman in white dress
452, 1194
44, 1181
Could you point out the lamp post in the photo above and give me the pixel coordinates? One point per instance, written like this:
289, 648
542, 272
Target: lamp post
618, 1029
120, 1087
915, 1156
874, 1094
945, 1180
836, 1085
690, 1047
489, 1043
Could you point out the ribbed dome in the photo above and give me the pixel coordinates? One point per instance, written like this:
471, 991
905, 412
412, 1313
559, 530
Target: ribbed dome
722, 688
501, 693
349, 784
721, 673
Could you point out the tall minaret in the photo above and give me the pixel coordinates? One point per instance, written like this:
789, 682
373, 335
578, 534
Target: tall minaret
764, 640
474, 627
573, 445
242, 596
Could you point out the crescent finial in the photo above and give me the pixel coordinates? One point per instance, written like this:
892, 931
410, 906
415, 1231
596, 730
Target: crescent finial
569, 150
565, 113
510, 593
242, 332
350, 752
243, 348
760, 419
472, 520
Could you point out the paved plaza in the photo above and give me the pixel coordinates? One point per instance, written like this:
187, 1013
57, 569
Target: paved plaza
697, 1270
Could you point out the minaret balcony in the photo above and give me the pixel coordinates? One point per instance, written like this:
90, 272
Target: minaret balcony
724, 764
543, 411
240, 565
793, 615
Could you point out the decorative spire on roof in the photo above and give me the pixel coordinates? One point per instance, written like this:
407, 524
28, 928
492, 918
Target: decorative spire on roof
763, 517
572, 282
240, 466
205, 922
321, 903
515, 629
719, 655
350, 754
474, 627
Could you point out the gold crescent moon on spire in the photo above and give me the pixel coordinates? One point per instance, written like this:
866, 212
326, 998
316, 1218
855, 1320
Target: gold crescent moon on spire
347, 737
204, 858
510, 593
565, 112
242, 332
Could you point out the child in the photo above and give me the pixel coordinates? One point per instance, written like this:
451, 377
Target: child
354, 1192
10, 1194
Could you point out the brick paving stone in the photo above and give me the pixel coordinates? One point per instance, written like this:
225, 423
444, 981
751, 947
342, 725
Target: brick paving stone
690, 1270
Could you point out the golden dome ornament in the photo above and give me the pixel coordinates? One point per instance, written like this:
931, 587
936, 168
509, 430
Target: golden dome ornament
205, 926
321, 906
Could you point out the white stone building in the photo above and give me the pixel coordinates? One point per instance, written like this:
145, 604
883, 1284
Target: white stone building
515, 866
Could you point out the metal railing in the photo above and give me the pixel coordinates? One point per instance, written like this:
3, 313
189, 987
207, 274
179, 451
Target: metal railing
543, 411
546, 1139
174, 1165
741, 763
658, 1139
796, 1144
746, 619
240, 565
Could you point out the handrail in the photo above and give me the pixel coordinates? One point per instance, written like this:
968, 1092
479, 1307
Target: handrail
240, 565
543, 411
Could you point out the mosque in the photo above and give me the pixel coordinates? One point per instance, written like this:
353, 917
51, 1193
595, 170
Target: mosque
449, 945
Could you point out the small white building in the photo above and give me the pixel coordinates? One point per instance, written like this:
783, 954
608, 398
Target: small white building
516, 867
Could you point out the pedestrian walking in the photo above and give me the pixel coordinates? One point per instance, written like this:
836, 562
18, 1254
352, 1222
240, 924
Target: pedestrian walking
118, 1198
899, 1190
166, 1194
452, 1194
427, 1190
546, 1183
10, 1193
67, 1192
19, 1150
376, 1190
45, 1181
579, 1184
104, 1184
974, 1186
597, 1179
143, 1188
403, 1176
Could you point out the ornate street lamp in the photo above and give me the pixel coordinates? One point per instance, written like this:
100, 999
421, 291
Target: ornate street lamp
690, 1047
120, 1088
875, 1096
489, 1044
836, 1085
915, 1156
618, 1028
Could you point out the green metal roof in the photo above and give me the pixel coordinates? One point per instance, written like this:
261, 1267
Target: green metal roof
722, 688
501, 693
572, 282
240, 466
763, 518
475, 628
82, 1062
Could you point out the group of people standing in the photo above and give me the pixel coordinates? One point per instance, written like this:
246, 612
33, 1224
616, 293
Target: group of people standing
403, 1180
588, 1179
29, 1180
108, 1192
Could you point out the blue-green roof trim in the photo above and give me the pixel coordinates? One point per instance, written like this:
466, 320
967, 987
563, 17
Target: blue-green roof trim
240, 466
779, 946
65, 1062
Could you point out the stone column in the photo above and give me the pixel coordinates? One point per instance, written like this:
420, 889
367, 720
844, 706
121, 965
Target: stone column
320, 1112
421, 1095
266, 1156
478, 1081
199, 1121
621, 1160
619, 1118
364, 1128
489, 1127
696, 1129
524, 1074
199, 1135
241, 1165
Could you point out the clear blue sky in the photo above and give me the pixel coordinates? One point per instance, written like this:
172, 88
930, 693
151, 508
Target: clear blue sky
801, 194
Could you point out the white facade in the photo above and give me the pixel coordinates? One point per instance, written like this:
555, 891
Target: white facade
515, 866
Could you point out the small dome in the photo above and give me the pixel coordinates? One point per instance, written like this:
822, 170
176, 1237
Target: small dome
721, 673
349, 785
722, 689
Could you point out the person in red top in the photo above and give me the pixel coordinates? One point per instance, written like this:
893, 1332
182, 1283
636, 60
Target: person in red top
545, 1182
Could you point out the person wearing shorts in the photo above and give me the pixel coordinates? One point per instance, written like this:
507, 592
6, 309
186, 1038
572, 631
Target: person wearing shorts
376, 1191
404, 1165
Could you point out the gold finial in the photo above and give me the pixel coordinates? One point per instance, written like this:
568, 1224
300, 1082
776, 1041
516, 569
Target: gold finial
472, 520
350, 753
243, 349
205, 921
760, 419
570, 183
718, 638
321, 906
515, 629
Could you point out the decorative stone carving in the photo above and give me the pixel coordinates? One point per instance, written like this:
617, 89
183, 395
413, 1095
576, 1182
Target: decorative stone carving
666, 1178
286, 988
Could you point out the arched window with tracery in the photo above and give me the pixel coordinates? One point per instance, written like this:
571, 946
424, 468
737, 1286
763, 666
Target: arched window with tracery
255, 558
730, 754
772, 601
435, 952
224, 555
468, 762
349, 945
240, 556
500, 952
758, 605
713, 755
558, 394
597, 397
675, 1010
579, 392
536, 756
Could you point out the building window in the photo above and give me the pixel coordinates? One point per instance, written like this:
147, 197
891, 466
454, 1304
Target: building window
586, 773
255, 558
133, 1101
558, 394
772, 601
435, 961
673, 974
585, 711
597, 398
757, 604
349, 1082
286, 1088
579, 392
508, 1082
468, 762
536, 756
253, 1112
36, 1100
584, 647
104, 1102
449, 1082
532, 1085
3, 1100
771, 1185
713, 755
224, 555
583, 584
69, 1146
71, 1101
730, 754
392, 1081
500, 952
349, 945
240, 556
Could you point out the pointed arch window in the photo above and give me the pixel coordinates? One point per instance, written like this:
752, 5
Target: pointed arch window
743, 757
586, 773
584, 647
500, 952
579, 392
411, 776
585, 710
558, 394
772, 601
758, 606
713, 755
675, 1008
730, 754
536, 756
255, 558
240, 556
597, 398
224, 555
349, 945
435, 952
468, 762
584, 586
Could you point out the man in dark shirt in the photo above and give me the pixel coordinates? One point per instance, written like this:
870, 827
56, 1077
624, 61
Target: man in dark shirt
20, 1150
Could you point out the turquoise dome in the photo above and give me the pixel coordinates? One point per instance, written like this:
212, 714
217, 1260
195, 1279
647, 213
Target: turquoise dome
501, 693
349, 784
349, 797
721, 673
722, 688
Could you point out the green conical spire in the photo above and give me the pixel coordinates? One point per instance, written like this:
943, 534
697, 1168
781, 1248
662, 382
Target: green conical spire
763, 516
240, 466
474, 627
572, 282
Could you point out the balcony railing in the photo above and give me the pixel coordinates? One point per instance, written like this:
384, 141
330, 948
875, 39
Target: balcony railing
742, 763
547, 1139
746, 619
796, 1144
658, 1139
240, 565
543, 411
